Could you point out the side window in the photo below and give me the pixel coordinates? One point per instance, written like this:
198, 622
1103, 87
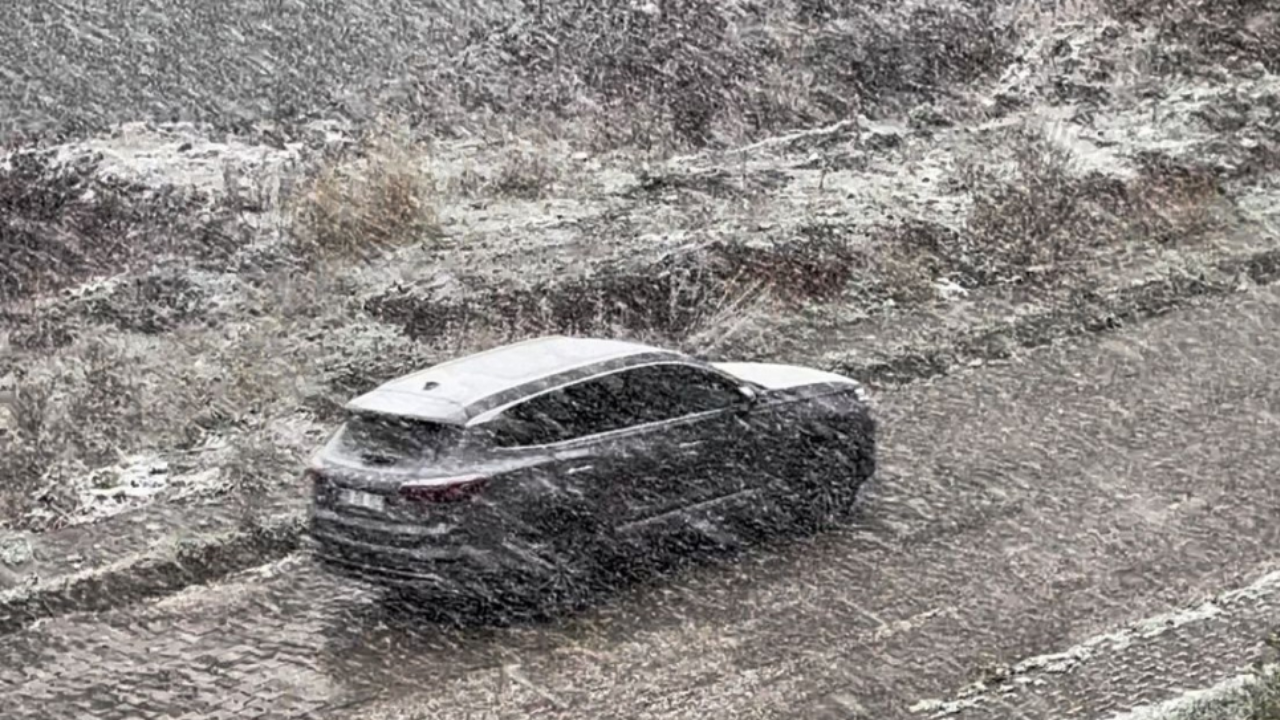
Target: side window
571, 412
662, 392
612, 402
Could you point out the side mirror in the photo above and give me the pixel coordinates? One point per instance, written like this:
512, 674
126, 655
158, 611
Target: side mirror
749, 394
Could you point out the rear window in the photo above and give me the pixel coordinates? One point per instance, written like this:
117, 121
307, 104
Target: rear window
385, 439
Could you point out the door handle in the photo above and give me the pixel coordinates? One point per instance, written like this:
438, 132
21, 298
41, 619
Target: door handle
579, 468
690, 446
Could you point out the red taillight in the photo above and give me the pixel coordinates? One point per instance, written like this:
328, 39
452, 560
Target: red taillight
435, 490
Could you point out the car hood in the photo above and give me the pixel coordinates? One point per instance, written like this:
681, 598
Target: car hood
781, 377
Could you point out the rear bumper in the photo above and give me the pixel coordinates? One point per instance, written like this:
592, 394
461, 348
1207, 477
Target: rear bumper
419, 566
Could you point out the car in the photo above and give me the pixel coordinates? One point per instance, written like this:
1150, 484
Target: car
555, 462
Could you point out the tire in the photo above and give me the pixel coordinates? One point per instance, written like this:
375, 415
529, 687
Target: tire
459, 610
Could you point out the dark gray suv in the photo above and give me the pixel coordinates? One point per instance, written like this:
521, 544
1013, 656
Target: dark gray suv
551, 461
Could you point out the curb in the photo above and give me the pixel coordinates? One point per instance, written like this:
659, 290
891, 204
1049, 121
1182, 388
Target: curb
1227, 700
153, 573
200, 560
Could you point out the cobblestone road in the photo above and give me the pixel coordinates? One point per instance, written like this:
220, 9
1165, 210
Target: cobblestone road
1023, 509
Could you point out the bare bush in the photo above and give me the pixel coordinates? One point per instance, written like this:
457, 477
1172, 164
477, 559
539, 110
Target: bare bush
104, 406
254, 468
1034, 222
28, 451
153, 303
357, 206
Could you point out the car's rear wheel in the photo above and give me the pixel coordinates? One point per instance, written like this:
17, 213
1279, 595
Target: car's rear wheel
446, 608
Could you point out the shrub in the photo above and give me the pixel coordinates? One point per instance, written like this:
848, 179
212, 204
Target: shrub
1033, 222
525, 175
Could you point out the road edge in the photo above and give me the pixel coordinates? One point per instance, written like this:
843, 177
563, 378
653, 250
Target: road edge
166, 568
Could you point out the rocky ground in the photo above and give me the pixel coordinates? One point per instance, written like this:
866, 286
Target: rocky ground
213, 237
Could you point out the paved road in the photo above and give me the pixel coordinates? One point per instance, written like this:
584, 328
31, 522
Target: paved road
1022, 510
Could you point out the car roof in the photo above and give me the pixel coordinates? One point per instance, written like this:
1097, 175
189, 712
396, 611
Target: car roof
453, 391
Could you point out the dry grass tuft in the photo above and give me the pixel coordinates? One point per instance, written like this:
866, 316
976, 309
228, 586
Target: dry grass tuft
526, 175
358, 206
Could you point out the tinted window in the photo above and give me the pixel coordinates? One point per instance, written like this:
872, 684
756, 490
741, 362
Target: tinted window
615, 401
662, 392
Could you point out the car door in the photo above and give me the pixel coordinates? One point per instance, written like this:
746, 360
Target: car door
603, 467
697, 419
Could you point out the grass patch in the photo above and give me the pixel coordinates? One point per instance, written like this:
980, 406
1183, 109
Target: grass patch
1264, 699
71, 415
683, 73
1257, 700
95, 401
1193, 35
357, 205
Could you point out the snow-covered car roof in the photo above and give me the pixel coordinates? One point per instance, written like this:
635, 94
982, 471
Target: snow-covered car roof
449, 392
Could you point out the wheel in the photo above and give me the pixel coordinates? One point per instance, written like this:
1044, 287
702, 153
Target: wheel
576, 573
459, 610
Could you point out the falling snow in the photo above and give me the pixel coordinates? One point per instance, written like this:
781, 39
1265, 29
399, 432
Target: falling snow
1039, 236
